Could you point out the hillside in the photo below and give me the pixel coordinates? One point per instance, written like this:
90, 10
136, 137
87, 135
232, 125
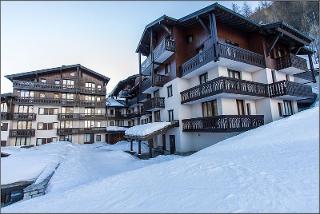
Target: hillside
274, 168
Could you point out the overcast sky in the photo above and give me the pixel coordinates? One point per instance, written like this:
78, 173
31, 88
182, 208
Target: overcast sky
101, 35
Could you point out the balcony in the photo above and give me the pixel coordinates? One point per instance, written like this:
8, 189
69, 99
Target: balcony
143, 97
93, 130
81, 116
223, 123
133, 101
291, 64
164, 50
21, 133
290, 90
222, 86
24, 116
5, 116
59, 102
134, 114
39, 86
231, 56
148, 87
161, 53
153, 104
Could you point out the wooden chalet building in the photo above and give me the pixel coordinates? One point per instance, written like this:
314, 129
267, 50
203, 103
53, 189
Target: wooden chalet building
62, 103
218, 73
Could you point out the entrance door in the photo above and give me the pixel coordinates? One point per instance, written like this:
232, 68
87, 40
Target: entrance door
172, 144
164, 142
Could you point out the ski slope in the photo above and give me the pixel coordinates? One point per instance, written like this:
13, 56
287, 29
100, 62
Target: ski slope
274, 168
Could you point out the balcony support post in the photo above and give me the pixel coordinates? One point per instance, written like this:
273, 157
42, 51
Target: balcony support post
214, 35
140, 75
274, 43
151, 55
131, 146
203, 25
311, 67
139, 148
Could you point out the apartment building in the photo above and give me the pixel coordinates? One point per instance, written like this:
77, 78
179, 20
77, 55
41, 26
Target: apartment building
218, 74
62, 103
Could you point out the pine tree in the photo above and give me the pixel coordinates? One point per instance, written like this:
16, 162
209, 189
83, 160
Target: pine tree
246, 9
236, 8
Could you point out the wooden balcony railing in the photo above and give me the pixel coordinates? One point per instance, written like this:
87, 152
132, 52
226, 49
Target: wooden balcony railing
81, 116
165, 45
146, 83
134, 114
154, 103
240, 54
197, 61
289, 88
224, 85
159, 81
226, 51
291, 60
39, 86
223, 123
52, 101
21, 133
243, 87
67, 131
24, 116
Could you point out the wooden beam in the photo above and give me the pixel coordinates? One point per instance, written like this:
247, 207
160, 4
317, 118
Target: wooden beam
151, 55
203, 25
292, 36
166, 29
311, 67
298, 50
214, 34
273, 43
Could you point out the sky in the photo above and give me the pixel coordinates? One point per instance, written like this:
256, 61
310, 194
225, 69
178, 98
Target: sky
100, 35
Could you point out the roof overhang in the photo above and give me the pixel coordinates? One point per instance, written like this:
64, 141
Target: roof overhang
128, 81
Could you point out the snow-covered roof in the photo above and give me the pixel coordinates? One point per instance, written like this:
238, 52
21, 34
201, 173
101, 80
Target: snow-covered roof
146, 129
113, 102
116, 128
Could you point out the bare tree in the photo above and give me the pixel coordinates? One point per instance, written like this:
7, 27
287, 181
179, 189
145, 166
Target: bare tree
246, 9
236, 8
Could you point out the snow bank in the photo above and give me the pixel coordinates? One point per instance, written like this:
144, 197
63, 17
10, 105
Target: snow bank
273, 168
116, 128
28, 164
145, 129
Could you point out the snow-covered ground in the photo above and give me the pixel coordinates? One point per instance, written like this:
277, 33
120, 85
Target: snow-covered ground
273, 168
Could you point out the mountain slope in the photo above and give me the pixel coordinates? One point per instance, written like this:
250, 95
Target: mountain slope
273, 168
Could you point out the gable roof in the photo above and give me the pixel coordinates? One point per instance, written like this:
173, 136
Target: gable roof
129, 80
52, 70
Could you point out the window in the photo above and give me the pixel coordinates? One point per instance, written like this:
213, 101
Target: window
56, 96
42, 95
111, 123
24, 125
72, 74
98, 123
169, 90
90, 85
66, 110
273, 74
189, 39
287, 106
209, 108
170, 113
24, 93
40, 126
111, 112
287, 77
98, 99
98, 138
157, 116
203, 78
4, 107
248, 109
234, 74
66, 124
68, 83
48, 111
25, 109
98, 111
167, 68
57, 82
41, 111
43, 81
55, 125
89, 111
87, 138
99, 87
4, 126
240, 107
66, 96
21, 141
280, 110
88, 123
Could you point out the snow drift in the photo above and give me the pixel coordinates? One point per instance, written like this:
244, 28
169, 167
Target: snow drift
273, 168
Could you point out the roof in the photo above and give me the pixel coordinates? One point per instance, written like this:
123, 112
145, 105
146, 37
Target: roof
282, 26
52, 70
224, 15
111, 102
149, 130
146, 32
129, 80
